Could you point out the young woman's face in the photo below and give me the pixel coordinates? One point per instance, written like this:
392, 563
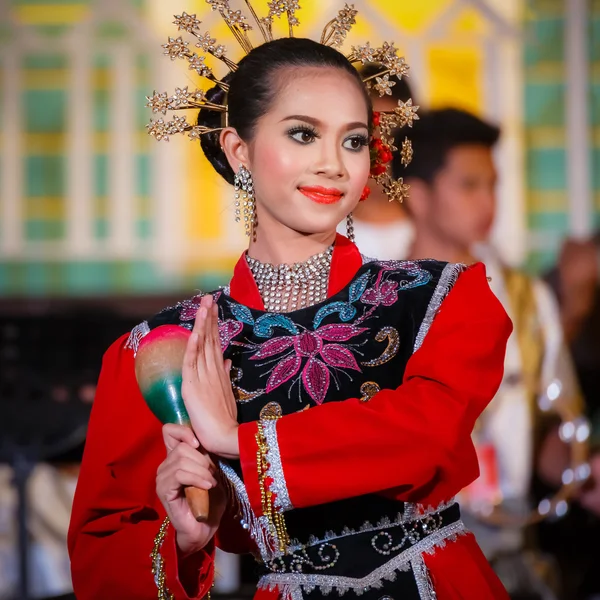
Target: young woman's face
309, 156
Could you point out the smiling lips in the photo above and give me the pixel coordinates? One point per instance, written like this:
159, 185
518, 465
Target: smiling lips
322, 195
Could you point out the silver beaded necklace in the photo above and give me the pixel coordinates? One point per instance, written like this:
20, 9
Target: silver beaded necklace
285, 288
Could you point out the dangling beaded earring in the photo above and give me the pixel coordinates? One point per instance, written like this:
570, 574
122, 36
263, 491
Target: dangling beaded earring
245, 201
350, 227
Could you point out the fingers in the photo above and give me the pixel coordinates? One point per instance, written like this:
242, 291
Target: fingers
171, 481
173, 435
215, 338
190, 358
225, 376
212, 346
185, 465
201, 317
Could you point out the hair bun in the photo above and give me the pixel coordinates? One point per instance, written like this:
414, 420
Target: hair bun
210, 142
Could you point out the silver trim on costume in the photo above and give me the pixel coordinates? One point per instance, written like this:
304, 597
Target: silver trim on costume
412, 512
257, 527
423, 579
275, 470
289, 583
446, 282
136, 335
423, 511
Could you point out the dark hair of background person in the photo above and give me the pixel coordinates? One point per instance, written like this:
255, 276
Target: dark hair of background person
400, 91
434, 135
254, 86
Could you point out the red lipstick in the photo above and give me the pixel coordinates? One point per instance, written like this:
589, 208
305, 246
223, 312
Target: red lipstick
321, 195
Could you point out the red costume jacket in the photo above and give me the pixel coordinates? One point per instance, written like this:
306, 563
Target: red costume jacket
406, 444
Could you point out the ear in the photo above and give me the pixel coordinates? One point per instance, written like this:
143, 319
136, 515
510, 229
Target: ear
419, 199
236, 150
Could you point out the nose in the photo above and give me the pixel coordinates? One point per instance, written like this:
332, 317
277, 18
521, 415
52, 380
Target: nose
329, 161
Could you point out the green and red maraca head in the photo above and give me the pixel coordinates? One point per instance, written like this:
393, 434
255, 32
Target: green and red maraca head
158, 365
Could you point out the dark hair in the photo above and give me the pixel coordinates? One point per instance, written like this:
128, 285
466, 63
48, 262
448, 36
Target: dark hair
400, 91
252, 88
435, 134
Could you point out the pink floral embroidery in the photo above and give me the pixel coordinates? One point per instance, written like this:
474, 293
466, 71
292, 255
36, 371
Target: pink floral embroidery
320, 357
227, 331
385, 293
189, 307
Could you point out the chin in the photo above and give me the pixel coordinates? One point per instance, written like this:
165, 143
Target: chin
320, 221
315, 226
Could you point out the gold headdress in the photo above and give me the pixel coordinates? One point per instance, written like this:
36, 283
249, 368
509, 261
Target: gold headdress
333, 35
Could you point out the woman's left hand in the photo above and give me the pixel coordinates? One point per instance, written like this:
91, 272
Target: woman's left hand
206, 386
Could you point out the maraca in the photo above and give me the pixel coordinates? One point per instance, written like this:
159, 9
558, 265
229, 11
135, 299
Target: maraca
158, 366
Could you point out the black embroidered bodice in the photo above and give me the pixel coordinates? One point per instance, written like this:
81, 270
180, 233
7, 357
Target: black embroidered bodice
352, 345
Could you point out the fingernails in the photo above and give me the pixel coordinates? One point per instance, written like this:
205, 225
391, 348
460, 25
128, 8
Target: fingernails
203, 312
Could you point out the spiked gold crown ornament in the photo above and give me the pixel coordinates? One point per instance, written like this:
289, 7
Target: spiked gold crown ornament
334, 34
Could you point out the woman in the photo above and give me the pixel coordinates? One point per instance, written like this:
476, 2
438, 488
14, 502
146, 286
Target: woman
331, 400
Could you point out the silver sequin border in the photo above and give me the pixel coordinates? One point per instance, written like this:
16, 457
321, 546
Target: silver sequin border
412, 512
423, 579
136, 335
275, 470
446, 282
288, 584
257, 527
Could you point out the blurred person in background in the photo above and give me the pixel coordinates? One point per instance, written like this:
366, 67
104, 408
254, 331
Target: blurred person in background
576, 282
452, 205
381, 228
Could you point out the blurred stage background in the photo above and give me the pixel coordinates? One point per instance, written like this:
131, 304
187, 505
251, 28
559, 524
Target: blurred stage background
90, 205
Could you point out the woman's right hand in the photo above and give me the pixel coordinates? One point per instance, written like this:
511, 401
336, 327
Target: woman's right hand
186, 465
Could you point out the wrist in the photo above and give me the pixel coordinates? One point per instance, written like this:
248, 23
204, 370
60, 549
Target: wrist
221, 440
230, 447
187, 546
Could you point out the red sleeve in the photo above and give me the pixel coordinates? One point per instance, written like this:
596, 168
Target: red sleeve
414, 442
116, 513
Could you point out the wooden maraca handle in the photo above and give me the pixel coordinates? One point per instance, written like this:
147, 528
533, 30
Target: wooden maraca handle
198, 502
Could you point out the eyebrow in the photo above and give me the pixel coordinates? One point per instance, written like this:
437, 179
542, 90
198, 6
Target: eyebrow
316, 122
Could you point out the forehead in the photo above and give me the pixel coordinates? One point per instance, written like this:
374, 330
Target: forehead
472, 159
384, 103
325, 93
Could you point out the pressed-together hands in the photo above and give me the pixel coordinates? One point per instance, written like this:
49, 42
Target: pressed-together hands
206, 386
209, 400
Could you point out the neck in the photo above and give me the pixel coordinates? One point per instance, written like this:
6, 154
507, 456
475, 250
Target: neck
378, 209
277, 244
429, 244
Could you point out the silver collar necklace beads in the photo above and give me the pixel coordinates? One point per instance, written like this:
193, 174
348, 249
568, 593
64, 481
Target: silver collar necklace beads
285, 288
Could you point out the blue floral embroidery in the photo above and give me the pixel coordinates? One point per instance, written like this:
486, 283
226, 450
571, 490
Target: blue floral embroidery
358, 287
345, 310
421, 277
241, 313
263, 327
